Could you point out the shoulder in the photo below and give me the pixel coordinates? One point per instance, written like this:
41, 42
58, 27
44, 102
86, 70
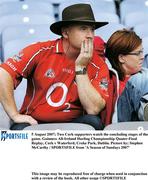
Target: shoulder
39, 47
98, 40
99, 43
99, 46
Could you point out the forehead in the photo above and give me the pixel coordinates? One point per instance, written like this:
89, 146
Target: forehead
140, 47
78, 25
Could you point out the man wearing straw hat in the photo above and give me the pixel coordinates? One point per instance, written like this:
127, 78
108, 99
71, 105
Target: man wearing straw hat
67, 79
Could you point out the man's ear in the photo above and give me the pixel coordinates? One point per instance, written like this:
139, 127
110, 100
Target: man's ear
121, 58
64, 32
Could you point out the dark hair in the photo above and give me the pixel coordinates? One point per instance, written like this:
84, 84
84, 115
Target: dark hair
121, 42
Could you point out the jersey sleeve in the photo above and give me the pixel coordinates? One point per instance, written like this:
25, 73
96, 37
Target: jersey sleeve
101, 79
22, 64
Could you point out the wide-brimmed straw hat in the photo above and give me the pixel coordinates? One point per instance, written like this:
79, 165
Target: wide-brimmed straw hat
77, 13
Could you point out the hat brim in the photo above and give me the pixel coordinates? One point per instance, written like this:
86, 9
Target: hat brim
56, 27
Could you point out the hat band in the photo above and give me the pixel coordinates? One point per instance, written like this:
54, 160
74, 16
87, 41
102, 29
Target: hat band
79, 19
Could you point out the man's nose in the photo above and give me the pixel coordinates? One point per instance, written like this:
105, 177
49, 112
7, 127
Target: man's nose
90, 34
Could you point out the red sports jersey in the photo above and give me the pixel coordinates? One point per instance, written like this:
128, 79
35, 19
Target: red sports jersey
52, 94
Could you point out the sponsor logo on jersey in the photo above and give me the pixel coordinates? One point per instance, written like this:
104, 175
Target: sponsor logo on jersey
67, 70
50, 73
103, 83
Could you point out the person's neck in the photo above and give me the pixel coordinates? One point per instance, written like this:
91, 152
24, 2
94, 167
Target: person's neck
70, 52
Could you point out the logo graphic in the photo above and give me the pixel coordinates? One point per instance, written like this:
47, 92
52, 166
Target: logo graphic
17, 57
5, 135
104, 83
50, 73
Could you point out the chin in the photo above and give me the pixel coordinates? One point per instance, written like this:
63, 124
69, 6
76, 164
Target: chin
138, 70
